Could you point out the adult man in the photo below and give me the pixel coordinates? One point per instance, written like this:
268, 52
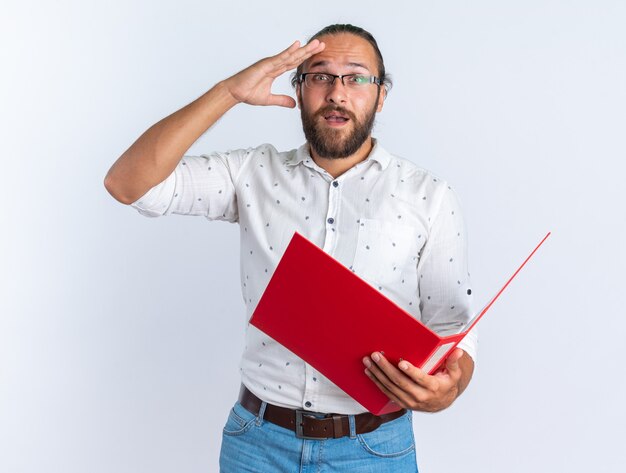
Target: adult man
392, 223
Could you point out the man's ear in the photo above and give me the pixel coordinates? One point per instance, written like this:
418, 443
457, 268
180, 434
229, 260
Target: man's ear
298, 96
382, 95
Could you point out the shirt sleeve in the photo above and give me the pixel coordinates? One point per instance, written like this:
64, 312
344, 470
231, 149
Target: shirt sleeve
444, 281
199, 185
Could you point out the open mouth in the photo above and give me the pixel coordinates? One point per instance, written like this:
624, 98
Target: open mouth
336, 118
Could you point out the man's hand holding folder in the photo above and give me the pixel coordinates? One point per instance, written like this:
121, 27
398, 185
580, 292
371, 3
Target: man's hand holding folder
412, 388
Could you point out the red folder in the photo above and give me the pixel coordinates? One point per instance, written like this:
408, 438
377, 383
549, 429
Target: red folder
331, 318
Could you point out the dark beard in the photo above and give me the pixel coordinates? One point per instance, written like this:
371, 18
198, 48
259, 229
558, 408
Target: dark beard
328, 143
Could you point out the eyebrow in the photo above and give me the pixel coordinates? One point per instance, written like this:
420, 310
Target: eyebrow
350, 64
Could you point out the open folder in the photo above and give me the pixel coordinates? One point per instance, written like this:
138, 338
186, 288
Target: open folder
331, 318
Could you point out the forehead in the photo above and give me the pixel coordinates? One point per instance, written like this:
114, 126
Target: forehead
344, 50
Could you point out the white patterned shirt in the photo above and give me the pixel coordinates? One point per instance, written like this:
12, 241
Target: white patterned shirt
394, 224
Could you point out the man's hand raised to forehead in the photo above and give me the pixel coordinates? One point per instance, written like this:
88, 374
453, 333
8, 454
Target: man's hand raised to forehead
253, 85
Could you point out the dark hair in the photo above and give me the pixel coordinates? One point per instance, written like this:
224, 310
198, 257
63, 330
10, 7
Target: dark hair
330, 30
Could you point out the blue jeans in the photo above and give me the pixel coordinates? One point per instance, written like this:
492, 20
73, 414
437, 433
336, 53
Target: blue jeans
250, 444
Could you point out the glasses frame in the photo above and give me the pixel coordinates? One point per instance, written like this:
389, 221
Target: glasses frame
301, 78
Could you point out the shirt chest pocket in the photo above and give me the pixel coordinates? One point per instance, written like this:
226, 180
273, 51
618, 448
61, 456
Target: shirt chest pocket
387, 252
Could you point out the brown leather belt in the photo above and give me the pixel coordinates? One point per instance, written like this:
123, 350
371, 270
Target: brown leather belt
308, 425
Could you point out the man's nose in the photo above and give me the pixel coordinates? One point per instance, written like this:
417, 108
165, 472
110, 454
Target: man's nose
336, 92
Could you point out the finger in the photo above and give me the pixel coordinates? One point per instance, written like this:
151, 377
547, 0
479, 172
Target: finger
295, 55
399, 376
418, 376
306, 52
452, 363
455, 356
394, 375
284, 55
396, 387
384, 389
290, 59
281, 101
289, 51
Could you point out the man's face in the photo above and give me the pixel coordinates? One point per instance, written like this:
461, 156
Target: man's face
337, 120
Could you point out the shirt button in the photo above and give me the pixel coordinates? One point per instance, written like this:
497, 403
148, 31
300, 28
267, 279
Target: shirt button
335, 183
307, 404
331, 220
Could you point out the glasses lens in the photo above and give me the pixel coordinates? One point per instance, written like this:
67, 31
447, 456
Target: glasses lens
318, 80
357, 80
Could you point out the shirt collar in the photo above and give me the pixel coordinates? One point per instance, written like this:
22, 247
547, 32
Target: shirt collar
378, 154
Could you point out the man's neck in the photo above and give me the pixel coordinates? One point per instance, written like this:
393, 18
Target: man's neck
337, 166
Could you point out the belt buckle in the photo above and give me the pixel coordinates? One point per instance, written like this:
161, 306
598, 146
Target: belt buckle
299, 431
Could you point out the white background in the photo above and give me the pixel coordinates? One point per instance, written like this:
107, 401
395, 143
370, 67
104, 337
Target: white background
120, 335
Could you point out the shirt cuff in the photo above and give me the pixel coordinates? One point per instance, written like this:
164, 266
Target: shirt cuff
157, 200
469, 344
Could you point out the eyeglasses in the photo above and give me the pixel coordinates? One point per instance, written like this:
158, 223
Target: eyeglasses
323, 80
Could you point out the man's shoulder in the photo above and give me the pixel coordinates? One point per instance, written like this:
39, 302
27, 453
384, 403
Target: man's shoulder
412, 172
262, 150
